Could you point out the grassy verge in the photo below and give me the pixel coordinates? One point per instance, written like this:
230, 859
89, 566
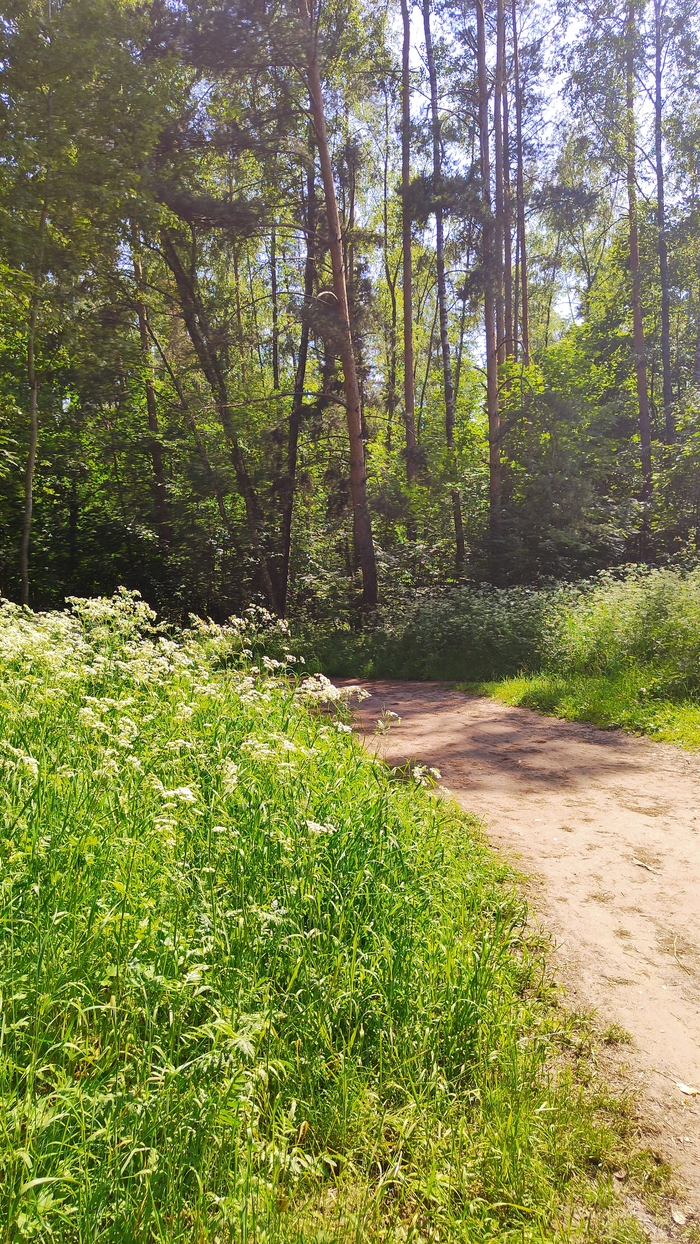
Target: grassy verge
253, 988
625, 699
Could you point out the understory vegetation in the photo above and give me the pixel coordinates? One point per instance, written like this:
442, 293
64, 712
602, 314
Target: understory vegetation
256, 986
622, 649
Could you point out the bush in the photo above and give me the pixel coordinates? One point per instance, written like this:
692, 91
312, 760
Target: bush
638, 618
647, 617
465, 633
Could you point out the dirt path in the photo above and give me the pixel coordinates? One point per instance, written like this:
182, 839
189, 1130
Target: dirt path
607, 826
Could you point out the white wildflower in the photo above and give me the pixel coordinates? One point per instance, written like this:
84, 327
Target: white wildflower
314, 828
257, 749
229, 774
271, 664
184, 793
425, 775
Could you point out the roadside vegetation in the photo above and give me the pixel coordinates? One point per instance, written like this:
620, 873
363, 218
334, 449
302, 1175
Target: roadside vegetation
624, 651
254, 985
621, 649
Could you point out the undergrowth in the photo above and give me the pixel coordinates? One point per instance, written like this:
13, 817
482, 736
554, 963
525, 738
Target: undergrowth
621, 650
253, 988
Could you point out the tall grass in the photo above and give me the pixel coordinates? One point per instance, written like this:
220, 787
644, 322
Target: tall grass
645, 618
623, 650
253, 988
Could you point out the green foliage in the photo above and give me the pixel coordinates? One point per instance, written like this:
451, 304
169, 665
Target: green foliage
642, 618
469, 632
622, 650
253, 987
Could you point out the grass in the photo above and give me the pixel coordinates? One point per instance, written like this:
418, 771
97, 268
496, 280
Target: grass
621, 650
253, 989
625, 699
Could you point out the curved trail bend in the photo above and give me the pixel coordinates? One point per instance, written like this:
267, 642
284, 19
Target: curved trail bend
607, 826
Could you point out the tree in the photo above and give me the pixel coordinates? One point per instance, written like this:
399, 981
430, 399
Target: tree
407, 244
443, 314
487, 233
362, 526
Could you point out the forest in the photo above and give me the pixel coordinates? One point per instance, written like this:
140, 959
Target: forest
349, 339
319, 308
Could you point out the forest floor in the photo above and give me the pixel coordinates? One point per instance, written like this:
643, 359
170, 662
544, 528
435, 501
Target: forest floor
606, 829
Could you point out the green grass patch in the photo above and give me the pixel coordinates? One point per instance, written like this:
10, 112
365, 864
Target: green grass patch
626, 699
253, 988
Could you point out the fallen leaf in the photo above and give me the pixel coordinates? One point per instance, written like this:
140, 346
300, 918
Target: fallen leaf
686, 1088
678, 1217
641, 864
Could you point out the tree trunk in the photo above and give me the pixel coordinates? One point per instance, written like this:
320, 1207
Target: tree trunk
442, 286
635, 274
409, 391
33, 439
160, 492
299, 382
198, 331
498, 177
495, 522
391, 281
275, 312
33, 382
439, 233
667, 388
362, 526
521, 247
696, 360
507, 214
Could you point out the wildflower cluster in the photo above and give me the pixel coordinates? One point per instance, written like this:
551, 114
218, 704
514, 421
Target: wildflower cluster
231, 947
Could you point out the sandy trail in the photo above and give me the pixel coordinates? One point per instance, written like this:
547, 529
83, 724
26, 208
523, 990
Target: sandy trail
607, 826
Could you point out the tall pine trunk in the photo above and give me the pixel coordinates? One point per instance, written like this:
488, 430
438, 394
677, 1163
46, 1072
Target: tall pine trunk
295, 417
507, 214
640, 366
522, 308
362, 526
442, 285
696, 357
32, 378
409, 390
495, 520
667, 387
391, 279
499, 179
275, 312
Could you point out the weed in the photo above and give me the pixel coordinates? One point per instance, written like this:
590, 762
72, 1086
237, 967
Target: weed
615, 1034
252, 988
